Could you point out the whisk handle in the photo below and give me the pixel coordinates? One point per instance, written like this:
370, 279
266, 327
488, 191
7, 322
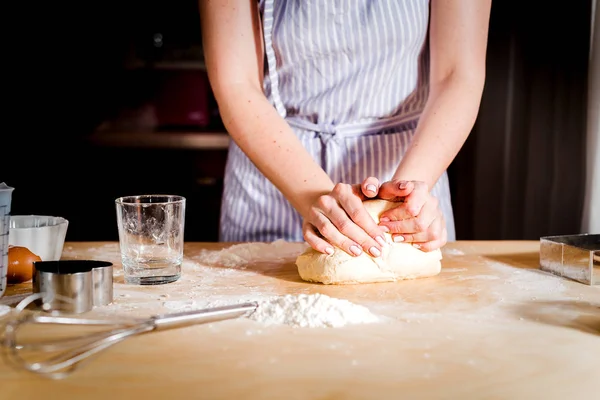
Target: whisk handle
193, 317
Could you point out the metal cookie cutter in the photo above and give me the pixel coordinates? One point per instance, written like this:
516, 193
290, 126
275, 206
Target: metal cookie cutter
575, 257
73, 286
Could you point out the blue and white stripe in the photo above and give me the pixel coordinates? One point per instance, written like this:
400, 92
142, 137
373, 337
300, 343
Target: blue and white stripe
350, 77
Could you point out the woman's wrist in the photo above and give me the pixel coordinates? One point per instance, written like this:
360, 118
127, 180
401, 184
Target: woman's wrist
304, 200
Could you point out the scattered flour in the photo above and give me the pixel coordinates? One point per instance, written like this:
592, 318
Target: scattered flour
530, 281
102, 251
311, 311
180, 305
453, 269
240, 255
453, 252
480, 277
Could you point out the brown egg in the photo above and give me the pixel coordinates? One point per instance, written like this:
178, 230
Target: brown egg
20, 264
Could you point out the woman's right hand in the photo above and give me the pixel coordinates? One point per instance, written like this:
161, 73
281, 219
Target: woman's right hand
340, 219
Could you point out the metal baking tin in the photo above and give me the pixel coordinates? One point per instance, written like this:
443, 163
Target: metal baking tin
73, 286
576, 257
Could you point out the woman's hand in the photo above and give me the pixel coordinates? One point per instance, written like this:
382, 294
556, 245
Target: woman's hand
417, 219
339, 218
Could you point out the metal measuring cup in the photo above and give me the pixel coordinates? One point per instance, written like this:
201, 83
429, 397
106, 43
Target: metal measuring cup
5, 200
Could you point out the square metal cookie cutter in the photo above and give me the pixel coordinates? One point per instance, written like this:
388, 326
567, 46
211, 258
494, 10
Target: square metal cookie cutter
73, 286
576, 257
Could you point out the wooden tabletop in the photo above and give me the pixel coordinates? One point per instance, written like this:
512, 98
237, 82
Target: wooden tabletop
491, 325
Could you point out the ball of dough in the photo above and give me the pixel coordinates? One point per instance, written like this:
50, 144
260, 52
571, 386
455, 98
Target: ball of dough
398, 261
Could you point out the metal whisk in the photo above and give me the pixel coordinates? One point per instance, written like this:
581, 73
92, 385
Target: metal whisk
70, 353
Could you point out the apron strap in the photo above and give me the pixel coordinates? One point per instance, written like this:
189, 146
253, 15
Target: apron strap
270, 53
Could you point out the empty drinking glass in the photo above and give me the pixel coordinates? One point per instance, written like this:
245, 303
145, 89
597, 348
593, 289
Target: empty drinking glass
151, 237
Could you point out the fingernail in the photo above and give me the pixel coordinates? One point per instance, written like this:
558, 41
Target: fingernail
355, 250
380, 240
402, 185
385, 228
398, 239
416, 245
329, 250
375, 251
384, 219
371, 188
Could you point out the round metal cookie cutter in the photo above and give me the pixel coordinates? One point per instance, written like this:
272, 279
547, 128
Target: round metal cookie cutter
73, 286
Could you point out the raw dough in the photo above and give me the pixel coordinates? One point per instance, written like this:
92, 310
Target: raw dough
398, 260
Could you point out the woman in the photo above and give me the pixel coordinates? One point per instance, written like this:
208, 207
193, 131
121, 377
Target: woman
326, 99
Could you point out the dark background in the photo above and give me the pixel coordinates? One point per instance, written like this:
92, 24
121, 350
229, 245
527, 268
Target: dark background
69, 69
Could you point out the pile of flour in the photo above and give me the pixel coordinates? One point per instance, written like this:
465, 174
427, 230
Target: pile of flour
311, 311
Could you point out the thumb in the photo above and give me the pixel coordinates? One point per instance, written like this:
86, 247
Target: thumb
396, 190
370, 187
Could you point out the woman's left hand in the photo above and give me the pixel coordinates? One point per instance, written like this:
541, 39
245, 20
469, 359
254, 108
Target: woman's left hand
417, 219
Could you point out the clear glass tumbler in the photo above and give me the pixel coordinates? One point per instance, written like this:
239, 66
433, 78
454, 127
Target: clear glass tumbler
151, 237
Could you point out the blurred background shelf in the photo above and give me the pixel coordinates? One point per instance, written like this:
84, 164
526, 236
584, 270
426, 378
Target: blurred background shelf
174, 138
162, 140
175, 65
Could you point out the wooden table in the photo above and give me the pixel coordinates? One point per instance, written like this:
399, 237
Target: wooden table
490, 326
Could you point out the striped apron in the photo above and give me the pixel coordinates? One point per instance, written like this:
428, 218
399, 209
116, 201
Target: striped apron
351, 79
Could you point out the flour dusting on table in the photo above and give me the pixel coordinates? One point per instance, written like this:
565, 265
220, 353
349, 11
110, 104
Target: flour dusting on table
311, 311
486, 295
530, 282
239, 255
453, 252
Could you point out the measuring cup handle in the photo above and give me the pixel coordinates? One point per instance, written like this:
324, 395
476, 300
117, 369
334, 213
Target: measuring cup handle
193, 317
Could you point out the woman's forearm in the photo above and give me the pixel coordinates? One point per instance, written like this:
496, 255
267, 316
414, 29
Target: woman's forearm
269, 142
458, 43
444, 126
234, 53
